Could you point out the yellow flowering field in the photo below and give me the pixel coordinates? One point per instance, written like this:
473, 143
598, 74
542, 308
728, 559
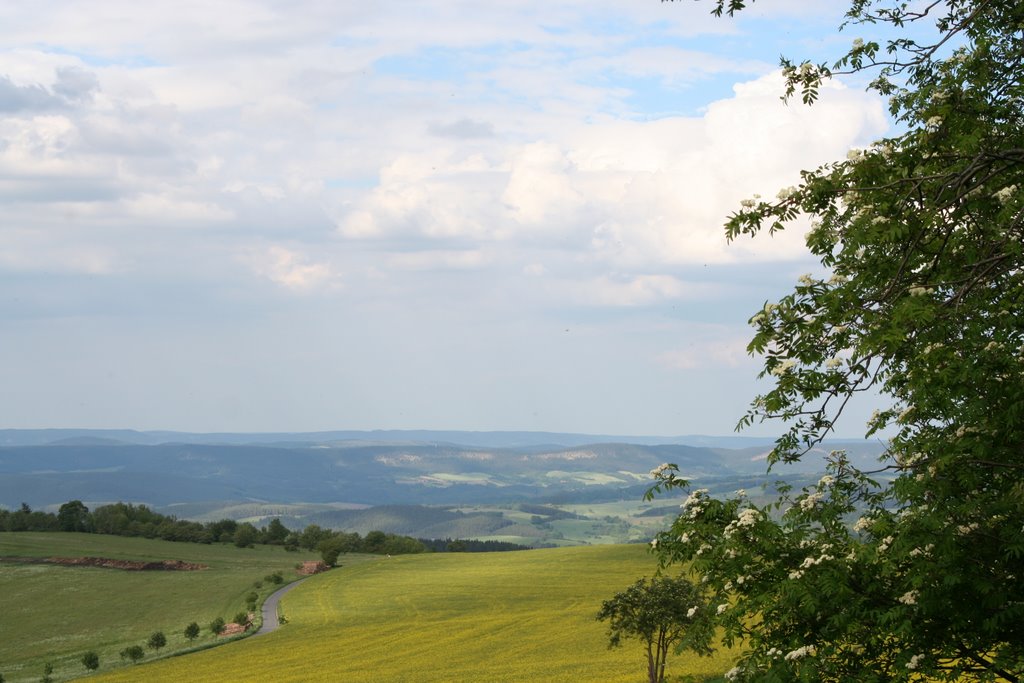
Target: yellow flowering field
519, 616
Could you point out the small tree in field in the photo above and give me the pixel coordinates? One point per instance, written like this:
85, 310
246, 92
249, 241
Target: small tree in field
133, 652
192, 631
217, 626
242, 619
157, 640
91, 660
663, 612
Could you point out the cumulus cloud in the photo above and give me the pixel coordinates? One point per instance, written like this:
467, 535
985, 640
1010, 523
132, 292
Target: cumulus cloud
630, 193
292, 270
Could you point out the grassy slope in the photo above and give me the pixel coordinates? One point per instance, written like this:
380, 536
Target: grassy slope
52, 613
496, 617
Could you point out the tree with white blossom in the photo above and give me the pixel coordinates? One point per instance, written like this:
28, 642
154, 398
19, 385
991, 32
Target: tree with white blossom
915, 570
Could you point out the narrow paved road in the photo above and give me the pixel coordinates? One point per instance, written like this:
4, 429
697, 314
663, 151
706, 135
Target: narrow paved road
270, 608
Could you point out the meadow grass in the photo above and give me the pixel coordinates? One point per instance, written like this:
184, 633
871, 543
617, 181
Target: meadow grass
496, 617
51, 613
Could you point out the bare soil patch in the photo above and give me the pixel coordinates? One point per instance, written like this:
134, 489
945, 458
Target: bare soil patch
107, 563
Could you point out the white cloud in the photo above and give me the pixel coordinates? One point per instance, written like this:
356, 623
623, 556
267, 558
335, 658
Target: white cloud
633, 194
639, 290
728, 351
292, 270
505, 165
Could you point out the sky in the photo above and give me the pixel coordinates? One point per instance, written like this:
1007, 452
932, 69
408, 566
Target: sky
257, 215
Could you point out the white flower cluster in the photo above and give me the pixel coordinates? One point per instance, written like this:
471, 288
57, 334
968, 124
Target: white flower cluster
785, 193
783, 367
858, 43
826, 481
909, 598
884, 545
934, 123
815, 561
660, 470
963, 431
733, 673
918, 291
721, 608
964, 529
810, 501
806, 280
925, 551
914, 662
690, 612
1004, 195
746, 519
694, 503
863, 523
801, 652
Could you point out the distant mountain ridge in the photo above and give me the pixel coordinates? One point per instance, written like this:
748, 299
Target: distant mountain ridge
49, 467
489, 439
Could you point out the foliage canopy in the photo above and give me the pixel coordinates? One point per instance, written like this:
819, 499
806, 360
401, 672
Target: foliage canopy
921, 299
661, 613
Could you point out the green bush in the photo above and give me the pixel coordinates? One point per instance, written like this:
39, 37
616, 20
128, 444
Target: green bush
157, 640
91, 660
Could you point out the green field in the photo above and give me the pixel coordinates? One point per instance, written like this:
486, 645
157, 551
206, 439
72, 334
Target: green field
54, 614
496, 617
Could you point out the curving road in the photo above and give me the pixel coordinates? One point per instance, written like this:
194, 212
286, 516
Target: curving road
270, 608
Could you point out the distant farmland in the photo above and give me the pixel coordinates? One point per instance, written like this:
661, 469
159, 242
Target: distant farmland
54, 613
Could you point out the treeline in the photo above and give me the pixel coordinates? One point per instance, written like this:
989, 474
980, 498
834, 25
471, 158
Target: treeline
126, 519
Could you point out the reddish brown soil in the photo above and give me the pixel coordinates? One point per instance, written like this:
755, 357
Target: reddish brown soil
107, 563
312, 567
